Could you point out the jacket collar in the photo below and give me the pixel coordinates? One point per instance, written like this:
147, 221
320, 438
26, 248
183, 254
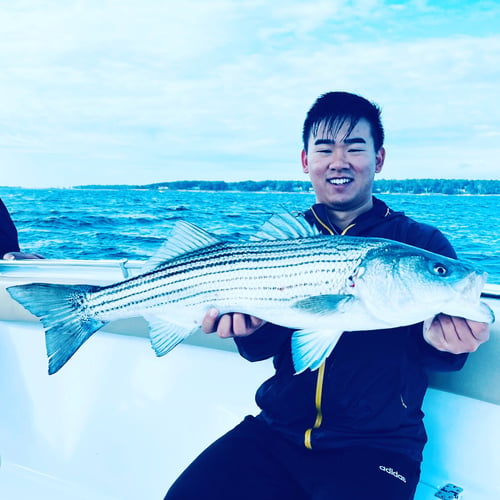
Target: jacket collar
318, 215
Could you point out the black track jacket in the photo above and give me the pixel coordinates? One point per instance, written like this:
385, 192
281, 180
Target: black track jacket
370, 390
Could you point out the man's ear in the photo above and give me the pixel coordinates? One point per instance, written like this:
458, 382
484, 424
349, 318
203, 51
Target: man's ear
379, 160
305, 164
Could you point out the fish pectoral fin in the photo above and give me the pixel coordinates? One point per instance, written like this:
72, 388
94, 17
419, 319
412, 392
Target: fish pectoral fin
165, 335
311, 347
324, 304
184, 238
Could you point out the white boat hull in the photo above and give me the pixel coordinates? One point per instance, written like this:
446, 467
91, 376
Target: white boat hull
117, 423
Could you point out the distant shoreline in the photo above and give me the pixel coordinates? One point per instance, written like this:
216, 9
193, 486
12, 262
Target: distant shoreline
233, 191
381, 186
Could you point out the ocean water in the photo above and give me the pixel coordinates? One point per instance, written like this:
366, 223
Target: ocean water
132, 224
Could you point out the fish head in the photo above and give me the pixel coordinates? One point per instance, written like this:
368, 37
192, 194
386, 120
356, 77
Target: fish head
401, 284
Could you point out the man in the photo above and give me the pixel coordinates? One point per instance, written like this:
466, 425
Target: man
352, 429
9, 244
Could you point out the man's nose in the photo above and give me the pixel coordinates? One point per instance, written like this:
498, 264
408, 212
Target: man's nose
338, 159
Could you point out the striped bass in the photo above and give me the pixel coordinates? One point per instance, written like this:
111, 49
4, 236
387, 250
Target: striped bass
288, 274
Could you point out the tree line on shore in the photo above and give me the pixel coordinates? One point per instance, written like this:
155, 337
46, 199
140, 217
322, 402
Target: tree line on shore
406, 186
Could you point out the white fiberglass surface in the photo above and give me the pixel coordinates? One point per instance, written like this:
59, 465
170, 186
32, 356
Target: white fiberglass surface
117, 423
464, 434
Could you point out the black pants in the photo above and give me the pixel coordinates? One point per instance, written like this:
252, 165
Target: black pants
253, 462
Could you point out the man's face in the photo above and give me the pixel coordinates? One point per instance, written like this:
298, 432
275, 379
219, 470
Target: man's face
342, 167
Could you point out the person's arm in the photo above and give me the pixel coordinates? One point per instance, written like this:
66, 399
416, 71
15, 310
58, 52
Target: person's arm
264, 343
9, 244
21, 256
256, 340
8, 232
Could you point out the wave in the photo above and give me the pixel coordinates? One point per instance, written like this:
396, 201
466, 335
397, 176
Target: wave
80, 224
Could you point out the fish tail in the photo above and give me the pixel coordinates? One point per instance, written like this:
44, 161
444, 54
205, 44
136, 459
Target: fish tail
63, 313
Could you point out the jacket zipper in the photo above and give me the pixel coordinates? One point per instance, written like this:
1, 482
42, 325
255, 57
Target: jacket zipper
321, 370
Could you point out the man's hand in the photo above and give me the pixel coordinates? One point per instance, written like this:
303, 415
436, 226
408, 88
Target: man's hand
230, 325
21, 256
456, 335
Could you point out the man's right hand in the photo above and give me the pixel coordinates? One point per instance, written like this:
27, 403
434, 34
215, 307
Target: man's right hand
231, 324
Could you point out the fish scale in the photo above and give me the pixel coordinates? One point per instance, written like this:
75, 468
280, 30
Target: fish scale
289, 275
191, 278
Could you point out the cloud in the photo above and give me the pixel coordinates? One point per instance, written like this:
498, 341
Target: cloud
216, 86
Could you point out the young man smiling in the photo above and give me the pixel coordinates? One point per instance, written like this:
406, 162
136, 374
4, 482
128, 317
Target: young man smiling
352, 429
341, 164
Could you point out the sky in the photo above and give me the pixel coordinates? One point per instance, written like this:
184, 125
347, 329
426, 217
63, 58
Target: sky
138, 92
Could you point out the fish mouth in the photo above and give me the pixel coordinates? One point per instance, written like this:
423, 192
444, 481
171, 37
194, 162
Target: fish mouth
477, 280
472, 285
467, 294
339, 181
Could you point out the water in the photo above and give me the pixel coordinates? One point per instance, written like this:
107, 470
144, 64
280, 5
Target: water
132, 224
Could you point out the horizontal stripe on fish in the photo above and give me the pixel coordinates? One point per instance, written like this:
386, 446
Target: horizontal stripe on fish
224, 264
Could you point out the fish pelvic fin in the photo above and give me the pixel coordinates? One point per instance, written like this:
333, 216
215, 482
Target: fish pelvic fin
311, 347
62, 313
165, 335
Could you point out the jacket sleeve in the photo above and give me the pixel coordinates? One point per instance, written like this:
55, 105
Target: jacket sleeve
434, 360
265, 343
8, 232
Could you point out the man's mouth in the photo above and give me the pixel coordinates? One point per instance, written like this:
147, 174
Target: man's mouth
339, 181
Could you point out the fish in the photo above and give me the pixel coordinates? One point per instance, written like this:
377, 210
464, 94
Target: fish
288, 274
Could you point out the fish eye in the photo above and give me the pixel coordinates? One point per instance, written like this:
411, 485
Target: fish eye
440, 269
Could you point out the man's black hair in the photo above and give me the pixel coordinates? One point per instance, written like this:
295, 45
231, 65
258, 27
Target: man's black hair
333, 109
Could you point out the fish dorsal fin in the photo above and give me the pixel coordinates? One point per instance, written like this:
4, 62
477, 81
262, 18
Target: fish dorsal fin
184, 238
285, 226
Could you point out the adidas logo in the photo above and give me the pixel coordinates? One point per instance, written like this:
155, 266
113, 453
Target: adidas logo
392, 472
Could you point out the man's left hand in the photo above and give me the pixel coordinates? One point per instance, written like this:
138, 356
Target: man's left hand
456, 335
